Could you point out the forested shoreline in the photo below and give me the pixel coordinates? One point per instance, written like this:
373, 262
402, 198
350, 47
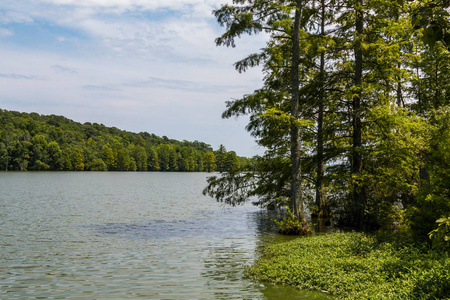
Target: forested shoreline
34, 142
353, 110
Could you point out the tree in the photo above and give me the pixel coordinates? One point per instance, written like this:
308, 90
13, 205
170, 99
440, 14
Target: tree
322, 210
8, 142
359, 197
199, 160
167, 157
108, 157
98, 165
220, 156
139, 154
39, 142
153, 159
78, 160
284, 20
433, 198
326, 107
433, 18
22, 154
54, 156
39, 153
187, 161
296, 171
173, 159
431, 81
398, 141
209, 162
123, 160
232, 162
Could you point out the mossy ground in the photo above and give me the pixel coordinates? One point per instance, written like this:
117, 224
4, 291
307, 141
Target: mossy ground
357, 266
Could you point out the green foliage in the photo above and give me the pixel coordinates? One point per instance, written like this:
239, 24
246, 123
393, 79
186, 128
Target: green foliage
209, 161
266, 179
433, 17
356, 266
397, 142
431, 81
139, 155
153, 159
441, 235
78, 161
220, 156
433, 197
232, 163
40, 143
98, 165
54, 156
292, 225
371, 92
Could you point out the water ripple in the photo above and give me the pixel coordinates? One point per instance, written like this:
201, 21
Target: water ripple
126, 235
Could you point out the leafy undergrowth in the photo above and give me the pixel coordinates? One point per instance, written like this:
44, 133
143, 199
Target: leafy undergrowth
291, 225
356, 266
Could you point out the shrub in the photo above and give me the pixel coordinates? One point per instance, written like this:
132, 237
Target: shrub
291, 225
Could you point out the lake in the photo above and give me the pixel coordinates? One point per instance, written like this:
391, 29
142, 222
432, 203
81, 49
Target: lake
118, 235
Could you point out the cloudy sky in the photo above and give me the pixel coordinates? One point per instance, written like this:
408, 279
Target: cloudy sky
138, 65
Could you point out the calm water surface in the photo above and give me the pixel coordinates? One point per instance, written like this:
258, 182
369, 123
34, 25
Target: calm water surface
127, 235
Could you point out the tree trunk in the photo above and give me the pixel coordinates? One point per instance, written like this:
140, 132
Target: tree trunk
400, 102
320, 190
296, 187
357, 164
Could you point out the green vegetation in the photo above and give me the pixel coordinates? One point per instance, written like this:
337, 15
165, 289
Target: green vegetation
353, 110
357, 266
441, 235
291, 225
39, 143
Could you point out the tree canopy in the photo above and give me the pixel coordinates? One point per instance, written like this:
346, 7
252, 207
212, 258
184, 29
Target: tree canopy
34, 142
354, 106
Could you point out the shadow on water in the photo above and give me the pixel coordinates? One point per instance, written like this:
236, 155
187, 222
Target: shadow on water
227, 223
223, 224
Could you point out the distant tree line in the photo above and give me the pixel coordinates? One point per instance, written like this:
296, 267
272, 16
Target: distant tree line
34, 142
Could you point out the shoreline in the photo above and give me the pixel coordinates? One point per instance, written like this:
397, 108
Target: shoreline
356, 266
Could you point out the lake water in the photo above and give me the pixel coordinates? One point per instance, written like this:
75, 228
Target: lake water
127, 235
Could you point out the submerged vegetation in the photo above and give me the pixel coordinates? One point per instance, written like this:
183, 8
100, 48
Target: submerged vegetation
357, 266
34, 142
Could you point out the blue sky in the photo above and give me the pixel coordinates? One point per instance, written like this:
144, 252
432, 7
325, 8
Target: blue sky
138, 65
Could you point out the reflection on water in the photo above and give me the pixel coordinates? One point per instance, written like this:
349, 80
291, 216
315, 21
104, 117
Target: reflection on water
127, 235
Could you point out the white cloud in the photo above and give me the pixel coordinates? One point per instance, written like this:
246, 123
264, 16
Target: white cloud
5, 32
65, 69
139, 65
14, 17
143, 4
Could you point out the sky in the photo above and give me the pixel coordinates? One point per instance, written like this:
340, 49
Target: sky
138, 65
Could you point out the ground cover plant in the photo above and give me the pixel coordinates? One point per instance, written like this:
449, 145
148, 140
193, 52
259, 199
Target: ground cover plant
357, 266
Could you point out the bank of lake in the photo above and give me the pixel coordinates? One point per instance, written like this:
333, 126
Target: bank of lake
357, 266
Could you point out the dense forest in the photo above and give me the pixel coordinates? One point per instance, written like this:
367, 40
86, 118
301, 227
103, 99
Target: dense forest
30, 141
353, 110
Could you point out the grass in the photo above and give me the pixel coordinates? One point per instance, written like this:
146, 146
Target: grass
356, 266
